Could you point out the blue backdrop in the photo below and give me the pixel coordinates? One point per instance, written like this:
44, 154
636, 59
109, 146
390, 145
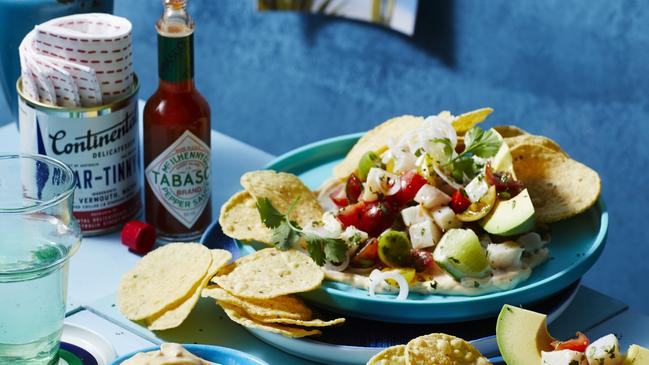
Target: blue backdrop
577, 72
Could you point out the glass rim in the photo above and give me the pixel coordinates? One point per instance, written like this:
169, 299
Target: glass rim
41, 204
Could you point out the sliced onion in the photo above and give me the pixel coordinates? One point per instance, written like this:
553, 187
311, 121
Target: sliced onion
340, 267
446, 179
378, 278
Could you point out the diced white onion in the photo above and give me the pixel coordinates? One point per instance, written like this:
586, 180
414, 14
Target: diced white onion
431, 197
381, 181
369, 195
349, 235
330, 227
377, 278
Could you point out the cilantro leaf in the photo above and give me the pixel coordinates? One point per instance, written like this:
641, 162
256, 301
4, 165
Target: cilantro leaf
269, 215
463, 167
286, 234
315, 248
481, 143
335, 250
478, 142
284, 237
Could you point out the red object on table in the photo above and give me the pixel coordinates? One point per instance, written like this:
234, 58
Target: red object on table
138, 236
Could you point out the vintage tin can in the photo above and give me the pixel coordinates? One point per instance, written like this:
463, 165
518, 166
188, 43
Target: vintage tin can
100, 144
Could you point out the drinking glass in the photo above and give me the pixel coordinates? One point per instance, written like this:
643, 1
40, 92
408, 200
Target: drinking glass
38, 235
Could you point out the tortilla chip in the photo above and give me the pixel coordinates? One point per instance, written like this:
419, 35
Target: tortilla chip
559, 186
269, 273
507, 131
287, 306
302, 323
468, 120
282, 189
163, 279
238, 315
395, 355
240, 219
533, 139
442, 349
374, 140
174, 317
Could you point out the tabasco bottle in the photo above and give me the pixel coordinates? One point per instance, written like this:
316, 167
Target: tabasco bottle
177, 135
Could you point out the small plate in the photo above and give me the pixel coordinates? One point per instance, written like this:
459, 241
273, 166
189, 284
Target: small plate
358, 340
82, 346
576, 245
218, 354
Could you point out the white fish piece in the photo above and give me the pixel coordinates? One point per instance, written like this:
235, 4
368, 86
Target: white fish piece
415, 214
424, 234
504, 255
477, 188
563, 357
431, 197
604, 351
445, 218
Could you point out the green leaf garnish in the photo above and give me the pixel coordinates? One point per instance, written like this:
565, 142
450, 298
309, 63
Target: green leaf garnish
269, 215
286, 234
463, 168
481, 143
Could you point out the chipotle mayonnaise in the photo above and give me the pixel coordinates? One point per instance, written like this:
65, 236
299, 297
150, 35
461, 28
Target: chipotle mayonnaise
169, 354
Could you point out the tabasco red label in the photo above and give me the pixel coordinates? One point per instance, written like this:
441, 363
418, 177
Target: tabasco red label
179, 178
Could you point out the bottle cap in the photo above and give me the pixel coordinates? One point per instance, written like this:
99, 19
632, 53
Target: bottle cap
138, 236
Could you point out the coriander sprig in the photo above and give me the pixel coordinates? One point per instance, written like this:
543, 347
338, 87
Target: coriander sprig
287, 233
477, 142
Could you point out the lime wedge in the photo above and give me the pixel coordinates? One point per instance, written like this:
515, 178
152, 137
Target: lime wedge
460, 253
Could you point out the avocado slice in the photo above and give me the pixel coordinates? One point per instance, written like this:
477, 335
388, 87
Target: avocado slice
636, 355
511, 217
522, 335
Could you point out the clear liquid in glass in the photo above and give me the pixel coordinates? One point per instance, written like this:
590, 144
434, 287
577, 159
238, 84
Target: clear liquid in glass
34, 252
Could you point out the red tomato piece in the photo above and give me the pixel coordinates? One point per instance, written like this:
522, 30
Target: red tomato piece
371, 217
576, 344
411, 182
353, 188
339, 197
459, 201
352, 215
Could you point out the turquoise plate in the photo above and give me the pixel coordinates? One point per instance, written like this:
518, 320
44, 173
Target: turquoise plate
217, 354
576, 244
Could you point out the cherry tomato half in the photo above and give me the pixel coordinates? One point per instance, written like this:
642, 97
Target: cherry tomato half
371, 217
411, 182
